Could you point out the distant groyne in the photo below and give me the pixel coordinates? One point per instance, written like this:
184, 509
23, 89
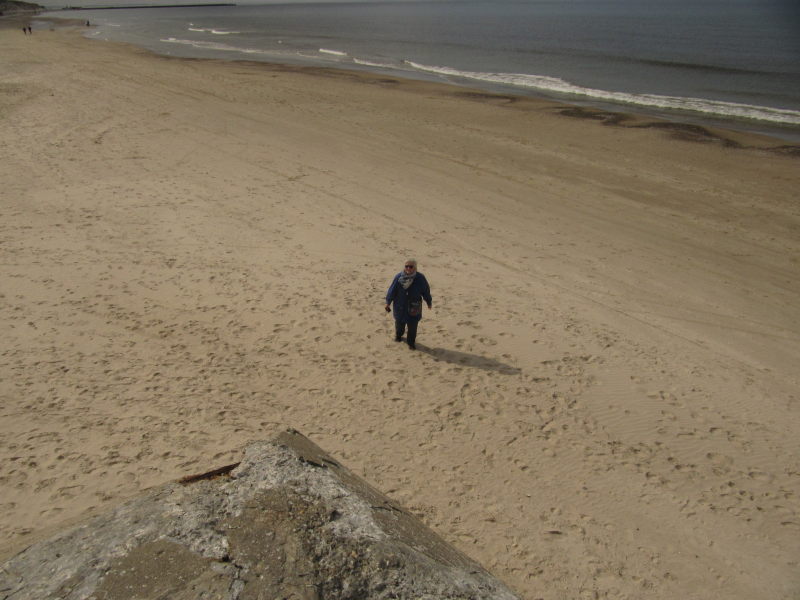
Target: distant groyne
148, 6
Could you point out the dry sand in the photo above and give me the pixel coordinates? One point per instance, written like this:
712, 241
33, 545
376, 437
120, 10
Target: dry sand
604, 400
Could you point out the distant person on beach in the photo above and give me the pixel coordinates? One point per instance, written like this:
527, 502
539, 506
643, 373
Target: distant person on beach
405, 295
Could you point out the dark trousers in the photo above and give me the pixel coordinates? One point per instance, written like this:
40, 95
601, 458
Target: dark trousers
400, 327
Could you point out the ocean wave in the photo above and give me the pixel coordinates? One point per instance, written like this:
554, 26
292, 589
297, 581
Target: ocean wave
219, 47
334, 52
636, 60
689, 66
368, 63
209, 30
554, 84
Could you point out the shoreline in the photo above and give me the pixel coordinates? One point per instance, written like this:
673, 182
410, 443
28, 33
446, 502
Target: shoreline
602, 401
789, 133
783, 140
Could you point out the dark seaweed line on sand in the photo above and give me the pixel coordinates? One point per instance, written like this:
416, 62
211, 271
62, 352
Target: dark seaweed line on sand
682, 131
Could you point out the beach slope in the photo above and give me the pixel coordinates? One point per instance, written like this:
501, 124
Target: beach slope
603, 401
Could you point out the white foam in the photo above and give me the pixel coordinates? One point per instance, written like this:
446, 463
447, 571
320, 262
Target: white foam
554, 84
217, 46
209, 30
368, 63
334, 52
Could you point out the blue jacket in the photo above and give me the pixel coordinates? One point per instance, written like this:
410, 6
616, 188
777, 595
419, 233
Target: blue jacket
400, 299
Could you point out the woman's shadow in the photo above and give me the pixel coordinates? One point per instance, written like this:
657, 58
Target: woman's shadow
468, 360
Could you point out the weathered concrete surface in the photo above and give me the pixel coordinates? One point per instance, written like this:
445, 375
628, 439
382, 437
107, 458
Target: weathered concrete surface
286, 522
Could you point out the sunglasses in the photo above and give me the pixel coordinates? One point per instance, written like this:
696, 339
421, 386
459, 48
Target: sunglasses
410, 267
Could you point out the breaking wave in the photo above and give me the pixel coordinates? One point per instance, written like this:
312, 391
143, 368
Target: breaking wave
210, 30
554, 84
218, 46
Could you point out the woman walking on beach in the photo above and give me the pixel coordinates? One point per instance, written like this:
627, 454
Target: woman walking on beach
405, 295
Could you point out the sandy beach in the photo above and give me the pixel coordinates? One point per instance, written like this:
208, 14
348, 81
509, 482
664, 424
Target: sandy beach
194, 254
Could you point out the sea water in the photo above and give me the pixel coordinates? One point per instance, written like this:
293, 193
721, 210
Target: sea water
735, 61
